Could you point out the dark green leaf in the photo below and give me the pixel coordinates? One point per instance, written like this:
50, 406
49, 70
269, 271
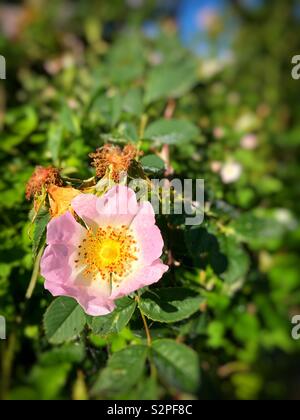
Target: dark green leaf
177, 365
117, 320
40, 225
170, 304
64, 320
152, 164
123, 371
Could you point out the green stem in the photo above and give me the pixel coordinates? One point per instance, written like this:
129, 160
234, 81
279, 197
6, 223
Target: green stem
35, 274
148, 335
149, 339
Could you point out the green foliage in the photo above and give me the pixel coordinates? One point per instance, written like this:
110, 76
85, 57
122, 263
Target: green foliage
64, 320
172, 131
116, 321
170, 80
40, 224
170, 305
177, 364
152, 164
123, 371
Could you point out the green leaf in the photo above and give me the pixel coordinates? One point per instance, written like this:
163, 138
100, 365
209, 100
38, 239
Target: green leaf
258, 230
133, 102
24, 121
117, 320
40, 225
21, 123
172, 131
152, 164
170, 81
123, 371
238, 260
64, 320
177, 365
170, 304
107, 108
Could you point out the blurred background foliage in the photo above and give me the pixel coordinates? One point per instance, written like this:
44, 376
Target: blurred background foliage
83, 73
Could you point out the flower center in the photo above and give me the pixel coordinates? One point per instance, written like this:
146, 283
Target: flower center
109, 252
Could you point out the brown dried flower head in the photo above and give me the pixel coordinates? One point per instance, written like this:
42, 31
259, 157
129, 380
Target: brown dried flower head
110, 156
42, 177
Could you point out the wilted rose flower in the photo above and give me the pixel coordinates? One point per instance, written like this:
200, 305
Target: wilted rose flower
113, 157
42, 178
116, 253
231, 172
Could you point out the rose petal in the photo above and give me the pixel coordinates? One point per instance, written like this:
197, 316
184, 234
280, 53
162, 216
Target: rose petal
145, 276
64, 230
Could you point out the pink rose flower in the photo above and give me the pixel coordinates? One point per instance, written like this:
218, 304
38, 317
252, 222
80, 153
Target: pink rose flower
117, 253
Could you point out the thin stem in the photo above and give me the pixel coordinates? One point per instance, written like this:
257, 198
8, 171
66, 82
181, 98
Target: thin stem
149, 338
35, 274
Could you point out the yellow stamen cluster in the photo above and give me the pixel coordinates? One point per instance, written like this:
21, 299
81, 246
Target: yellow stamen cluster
108, 251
